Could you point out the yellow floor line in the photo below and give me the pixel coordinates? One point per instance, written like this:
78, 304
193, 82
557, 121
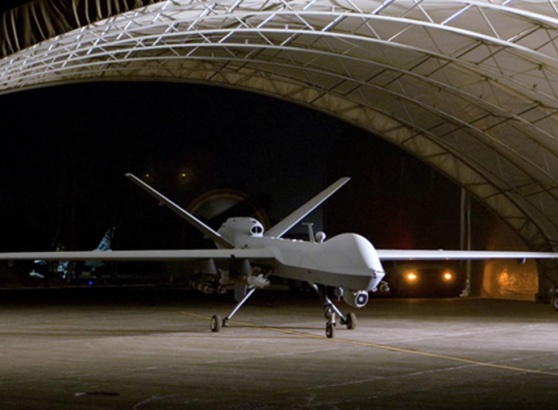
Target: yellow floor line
385, 347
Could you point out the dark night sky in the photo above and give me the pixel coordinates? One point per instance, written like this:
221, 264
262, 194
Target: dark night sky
66, 149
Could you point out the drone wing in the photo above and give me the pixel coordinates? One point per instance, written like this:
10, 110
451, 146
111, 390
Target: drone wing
144, 255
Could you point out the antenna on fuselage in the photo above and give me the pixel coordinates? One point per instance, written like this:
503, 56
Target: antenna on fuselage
310, 227
282, 227
318, 237
187, 216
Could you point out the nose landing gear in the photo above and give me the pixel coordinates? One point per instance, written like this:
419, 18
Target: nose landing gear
331, 312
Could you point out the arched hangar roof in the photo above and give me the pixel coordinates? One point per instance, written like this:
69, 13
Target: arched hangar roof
470, 87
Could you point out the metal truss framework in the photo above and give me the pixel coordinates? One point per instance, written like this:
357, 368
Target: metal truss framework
470, 87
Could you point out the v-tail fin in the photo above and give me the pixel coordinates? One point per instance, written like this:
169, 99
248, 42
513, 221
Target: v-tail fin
106, 241
283, 227
187, 216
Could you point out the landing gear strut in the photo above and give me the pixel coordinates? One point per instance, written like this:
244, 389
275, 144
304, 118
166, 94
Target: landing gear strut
216, 322
331, 312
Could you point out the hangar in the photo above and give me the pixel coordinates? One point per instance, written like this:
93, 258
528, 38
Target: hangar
469, 87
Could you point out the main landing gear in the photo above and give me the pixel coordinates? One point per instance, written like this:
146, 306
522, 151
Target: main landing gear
216, 322
331, 313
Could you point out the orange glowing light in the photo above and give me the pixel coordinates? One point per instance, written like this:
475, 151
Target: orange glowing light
412, 277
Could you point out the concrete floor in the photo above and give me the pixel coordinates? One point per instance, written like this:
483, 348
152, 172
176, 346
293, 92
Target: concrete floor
154, 350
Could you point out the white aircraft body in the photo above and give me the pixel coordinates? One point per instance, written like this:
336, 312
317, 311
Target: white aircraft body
246, 256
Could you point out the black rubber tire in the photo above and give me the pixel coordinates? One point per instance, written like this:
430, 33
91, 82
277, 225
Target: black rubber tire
215, 323
351, 321
330, 330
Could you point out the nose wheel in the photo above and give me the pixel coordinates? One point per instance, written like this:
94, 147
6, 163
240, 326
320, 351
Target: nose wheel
330, 322
350, 321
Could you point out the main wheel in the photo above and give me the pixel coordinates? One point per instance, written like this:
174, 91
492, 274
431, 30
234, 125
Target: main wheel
330, 330
215, 323
351, 321
554, 302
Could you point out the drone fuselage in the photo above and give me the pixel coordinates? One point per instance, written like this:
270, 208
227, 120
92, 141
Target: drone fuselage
348, 261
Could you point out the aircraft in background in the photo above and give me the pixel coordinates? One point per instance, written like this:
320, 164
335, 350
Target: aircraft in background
67, 271
90, 266
246, 257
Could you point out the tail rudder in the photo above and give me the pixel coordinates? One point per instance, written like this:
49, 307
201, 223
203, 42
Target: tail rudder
106, 241
282, 227
187, 216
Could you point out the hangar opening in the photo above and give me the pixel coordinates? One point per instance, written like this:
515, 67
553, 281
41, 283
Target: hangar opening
74, 187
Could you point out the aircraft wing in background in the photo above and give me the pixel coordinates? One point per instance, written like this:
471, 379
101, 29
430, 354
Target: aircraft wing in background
431, 255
